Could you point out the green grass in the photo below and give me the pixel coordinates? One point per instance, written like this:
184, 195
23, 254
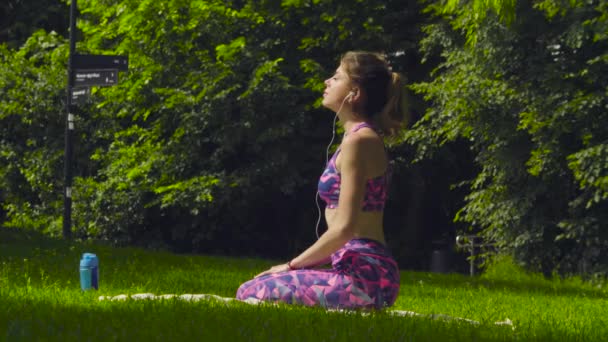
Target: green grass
40, 299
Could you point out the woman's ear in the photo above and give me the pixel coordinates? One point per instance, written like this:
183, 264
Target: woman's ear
353, 95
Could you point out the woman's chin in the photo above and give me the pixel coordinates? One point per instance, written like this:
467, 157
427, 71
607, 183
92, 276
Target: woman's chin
327, 105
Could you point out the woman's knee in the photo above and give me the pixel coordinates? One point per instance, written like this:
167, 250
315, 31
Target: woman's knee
243, 290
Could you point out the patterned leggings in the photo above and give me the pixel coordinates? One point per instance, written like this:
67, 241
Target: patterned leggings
363, 275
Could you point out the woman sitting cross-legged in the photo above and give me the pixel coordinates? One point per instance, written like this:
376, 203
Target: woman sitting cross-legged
368, 99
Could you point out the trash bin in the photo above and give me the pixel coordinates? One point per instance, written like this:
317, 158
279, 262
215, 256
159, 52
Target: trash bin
440, 261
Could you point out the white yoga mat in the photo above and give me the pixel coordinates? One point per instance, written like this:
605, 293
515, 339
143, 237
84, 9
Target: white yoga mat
198, 297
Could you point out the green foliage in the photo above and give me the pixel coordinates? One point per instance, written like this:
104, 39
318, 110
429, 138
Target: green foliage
470, 14
177, 110
213, 136
20, 19
529, 98
31, 96
590, 167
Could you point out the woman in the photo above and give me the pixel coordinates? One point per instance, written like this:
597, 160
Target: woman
368, 99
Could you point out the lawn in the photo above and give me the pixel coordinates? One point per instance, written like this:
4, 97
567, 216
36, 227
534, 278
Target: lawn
40, 299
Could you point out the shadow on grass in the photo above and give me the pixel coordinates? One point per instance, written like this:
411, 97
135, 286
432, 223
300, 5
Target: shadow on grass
23, 243
210, 321
538, 286
19, 238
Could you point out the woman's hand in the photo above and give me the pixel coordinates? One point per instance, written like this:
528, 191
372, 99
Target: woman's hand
275, 269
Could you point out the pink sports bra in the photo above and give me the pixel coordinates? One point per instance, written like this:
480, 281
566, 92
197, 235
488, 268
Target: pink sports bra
376, 189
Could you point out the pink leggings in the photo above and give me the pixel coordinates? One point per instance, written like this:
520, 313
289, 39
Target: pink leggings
363, 275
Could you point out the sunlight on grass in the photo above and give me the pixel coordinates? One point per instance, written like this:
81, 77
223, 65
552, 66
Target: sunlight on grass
41, 299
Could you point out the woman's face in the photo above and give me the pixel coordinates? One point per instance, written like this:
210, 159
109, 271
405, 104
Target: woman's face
337, 88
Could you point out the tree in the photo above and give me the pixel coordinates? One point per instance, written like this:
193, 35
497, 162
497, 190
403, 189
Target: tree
31, 100
20, 19
215, 137
528, 97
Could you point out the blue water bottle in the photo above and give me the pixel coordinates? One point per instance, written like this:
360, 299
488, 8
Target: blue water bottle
89, 272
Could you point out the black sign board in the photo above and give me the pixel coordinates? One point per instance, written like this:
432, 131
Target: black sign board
80, 95
95, 77
100, 62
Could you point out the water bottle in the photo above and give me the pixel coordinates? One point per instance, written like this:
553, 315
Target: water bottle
89, 272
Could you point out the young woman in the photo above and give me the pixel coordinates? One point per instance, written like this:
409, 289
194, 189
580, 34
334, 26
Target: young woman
368, 99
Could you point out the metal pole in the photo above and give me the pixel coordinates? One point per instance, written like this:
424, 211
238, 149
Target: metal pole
473, 255
468, 242
69, 128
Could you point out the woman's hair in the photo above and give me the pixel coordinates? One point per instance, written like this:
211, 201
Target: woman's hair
384, 90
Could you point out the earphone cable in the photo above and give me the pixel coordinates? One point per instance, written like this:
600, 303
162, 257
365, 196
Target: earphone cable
333, 136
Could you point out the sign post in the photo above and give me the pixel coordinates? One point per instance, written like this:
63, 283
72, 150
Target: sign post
69, 127
95, 77
80, 95
84, 71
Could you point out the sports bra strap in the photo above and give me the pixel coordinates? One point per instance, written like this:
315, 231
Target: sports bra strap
361, 125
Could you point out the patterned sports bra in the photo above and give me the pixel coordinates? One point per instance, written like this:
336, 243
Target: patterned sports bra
376, 189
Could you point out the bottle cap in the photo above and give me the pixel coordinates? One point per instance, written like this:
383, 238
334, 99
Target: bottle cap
89, 259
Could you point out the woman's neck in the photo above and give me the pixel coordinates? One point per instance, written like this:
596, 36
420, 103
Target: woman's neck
349, 125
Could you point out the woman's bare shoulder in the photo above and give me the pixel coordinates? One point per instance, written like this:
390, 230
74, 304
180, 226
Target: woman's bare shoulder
362, 141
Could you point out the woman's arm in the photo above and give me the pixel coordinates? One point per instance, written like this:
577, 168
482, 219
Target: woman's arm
352, 191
